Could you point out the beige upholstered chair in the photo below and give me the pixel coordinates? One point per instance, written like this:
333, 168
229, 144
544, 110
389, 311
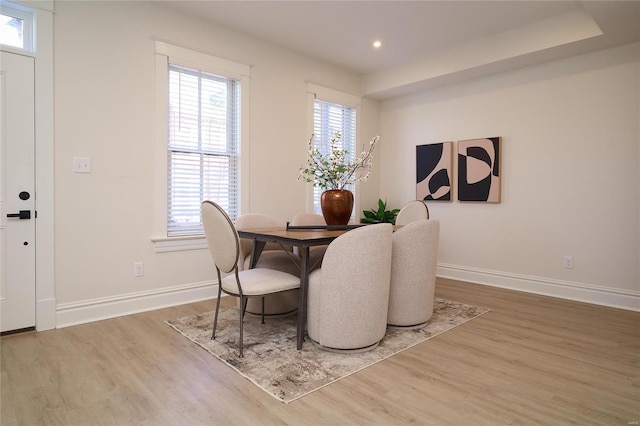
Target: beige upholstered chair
308, 219
412, 211
316, 253
348, 297
224, 246
413, 274
274, 257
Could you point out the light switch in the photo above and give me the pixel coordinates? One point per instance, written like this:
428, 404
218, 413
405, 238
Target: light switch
81, 165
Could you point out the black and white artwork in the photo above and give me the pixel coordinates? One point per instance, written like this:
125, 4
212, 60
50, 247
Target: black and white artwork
433, 171
479, 170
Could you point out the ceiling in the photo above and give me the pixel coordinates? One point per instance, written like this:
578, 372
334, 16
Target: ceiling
427, 43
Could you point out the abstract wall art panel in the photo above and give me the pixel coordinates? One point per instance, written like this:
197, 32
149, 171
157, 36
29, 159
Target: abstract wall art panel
433, 171
479, 170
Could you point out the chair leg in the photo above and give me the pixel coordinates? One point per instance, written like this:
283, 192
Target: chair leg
243, 305
215, 318
262, 309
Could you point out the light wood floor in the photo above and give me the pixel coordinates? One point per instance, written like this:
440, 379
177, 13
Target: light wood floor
532, 360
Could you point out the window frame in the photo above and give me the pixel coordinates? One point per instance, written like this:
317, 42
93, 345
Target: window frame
166, 53
192, 156
317, 92
25, 14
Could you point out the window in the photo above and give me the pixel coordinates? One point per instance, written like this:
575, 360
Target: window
202, 148
16, 26
200, 125
329, 118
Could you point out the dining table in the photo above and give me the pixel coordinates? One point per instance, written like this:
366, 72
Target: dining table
302, 237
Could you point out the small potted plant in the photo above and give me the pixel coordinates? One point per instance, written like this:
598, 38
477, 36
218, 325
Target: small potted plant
382, 215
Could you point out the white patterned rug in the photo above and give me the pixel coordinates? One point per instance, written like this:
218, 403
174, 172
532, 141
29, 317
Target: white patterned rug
272, 362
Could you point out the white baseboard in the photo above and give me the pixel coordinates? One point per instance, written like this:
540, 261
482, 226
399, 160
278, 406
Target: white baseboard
623, 299
68, 314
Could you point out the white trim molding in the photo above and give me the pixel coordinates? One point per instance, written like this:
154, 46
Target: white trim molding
203, 61
169, 244
604, 296
169, 52
46, 314
45, 225
68, 314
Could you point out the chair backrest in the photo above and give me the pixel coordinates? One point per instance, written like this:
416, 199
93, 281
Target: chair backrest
222, 237
354, 288
308, 219
257, 220
413, 272
411, 212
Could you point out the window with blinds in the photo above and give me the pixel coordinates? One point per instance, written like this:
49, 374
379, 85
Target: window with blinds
329, 118
203, 147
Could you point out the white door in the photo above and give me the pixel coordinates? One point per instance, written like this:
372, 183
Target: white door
17, 193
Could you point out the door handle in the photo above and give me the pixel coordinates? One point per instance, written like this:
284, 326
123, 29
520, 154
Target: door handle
23, 214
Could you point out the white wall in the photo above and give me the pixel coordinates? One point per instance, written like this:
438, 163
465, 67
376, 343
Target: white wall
570, 162
104, 109
570, 175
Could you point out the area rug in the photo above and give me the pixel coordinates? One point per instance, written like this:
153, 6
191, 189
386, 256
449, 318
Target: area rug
272, 362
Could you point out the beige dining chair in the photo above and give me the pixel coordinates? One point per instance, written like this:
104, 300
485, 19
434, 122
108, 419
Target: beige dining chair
413, 274
316, 253
273, 256
348, 297
224, 246
411, 212
308, 219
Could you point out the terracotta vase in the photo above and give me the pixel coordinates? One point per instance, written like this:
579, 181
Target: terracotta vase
337, 205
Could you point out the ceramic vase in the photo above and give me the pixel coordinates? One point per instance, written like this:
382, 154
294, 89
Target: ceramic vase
337, 205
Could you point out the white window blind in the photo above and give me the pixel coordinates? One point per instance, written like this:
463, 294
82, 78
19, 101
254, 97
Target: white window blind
329, 118
203, 147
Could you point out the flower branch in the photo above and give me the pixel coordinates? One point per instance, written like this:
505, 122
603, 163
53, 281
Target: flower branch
333, 171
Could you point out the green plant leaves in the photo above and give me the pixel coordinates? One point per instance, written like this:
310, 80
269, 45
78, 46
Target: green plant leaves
382, 215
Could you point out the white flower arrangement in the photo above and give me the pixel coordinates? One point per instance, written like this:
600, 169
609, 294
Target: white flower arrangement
333, 171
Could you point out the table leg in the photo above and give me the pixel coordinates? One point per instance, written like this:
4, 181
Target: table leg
302, 304
256, 251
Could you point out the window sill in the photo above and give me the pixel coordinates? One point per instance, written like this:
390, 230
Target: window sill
170, 244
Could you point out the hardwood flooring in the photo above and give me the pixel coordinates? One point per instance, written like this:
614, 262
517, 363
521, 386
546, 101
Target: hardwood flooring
532, 360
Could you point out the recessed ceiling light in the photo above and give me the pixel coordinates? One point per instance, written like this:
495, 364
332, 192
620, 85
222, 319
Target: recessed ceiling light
377, 44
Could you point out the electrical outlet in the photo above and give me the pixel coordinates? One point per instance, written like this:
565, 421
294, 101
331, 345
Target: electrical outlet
568, 262
81, 165
138, 269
